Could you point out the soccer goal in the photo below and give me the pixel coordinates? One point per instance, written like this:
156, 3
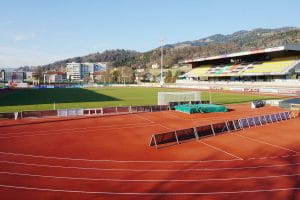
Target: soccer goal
164, 98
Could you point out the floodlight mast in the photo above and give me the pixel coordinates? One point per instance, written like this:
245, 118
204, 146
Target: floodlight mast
161, 62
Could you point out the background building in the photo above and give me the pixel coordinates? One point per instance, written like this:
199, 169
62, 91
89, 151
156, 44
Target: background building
81, 71
54, 77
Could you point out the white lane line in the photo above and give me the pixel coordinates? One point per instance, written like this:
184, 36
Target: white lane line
216, 148
73, 129
148, 180
273, 157
149, 193
116, 161
149, 170
169, 129
263, 142
156, 123
74, 132
145, 118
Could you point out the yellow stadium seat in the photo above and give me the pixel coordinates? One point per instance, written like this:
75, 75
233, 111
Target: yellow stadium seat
270, 66
199, 71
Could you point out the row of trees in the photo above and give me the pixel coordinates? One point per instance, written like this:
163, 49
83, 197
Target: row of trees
170, 78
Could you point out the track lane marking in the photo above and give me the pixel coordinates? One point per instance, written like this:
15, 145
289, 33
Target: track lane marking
263, 142
117, 161
149, 193
221, 150
75, 129
149, 180
151, 121
74, 132
149, 170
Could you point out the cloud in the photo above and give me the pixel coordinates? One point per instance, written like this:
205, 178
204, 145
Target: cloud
7, 22
15, 57
23, 37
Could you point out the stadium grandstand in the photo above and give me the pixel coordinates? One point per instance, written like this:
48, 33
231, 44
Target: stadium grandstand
278, 63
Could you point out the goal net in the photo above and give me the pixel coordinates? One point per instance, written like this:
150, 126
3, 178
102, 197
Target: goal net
164, 98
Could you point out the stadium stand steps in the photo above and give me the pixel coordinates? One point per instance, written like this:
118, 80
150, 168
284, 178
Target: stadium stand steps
275, 66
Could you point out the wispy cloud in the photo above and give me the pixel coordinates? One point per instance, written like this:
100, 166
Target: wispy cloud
15, 56
23, 37
7, 22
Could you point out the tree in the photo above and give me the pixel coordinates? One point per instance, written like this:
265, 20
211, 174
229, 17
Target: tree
39, 73
168, 78
115, 76
133, 77
177, 74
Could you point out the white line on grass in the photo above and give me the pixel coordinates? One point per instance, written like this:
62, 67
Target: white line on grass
149, 193
216, 148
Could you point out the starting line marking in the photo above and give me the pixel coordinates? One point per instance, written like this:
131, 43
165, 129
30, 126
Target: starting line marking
149, 180
148, 193
216, 148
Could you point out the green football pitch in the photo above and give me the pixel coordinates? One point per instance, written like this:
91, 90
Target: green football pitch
44, 99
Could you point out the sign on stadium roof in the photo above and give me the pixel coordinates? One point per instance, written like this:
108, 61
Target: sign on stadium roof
259, 51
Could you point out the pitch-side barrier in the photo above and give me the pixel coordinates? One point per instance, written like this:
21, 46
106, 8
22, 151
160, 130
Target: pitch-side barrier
83, 112
169, 138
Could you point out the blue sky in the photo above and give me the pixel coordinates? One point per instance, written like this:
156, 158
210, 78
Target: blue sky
34, 32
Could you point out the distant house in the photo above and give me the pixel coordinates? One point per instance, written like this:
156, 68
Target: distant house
101, 76
29, 76
9, 75
147, 77
54, 77
155, 66
141, 70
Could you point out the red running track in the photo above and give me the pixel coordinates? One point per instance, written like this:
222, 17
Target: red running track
109, 158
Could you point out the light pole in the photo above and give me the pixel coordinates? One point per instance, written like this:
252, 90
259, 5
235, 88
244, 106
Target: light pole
161, 62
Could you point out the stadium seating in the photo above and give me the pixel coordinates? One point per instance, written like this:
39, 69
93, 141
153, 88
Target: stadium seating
270, 67
277, 65
200, 71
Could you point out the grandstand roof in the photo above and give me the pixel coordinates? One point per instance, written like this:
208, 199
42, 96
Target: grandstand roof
295, 47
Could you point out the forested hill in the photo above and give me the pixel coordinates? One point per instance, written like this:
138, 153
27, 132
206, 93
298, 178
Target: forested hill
109, 56
209, 46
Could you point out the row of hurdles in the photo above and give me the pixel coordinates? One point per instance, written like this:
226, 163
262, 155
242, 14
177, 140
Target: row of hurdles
169, 138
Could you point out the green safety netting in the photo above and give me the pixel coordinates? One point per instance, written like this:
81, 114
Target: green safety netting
200, 108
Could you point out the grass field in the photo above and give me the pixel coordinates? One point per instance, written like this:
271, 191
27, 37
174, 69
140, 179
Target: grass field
43, 99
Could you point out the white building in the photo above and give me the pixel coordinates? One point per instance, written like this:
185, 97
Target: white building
53, 77
80, 71
73, 71
155, 66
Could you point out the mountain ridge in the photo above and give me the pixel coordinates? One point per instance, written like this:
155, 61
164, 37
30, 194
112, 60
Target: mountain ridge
209, 46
